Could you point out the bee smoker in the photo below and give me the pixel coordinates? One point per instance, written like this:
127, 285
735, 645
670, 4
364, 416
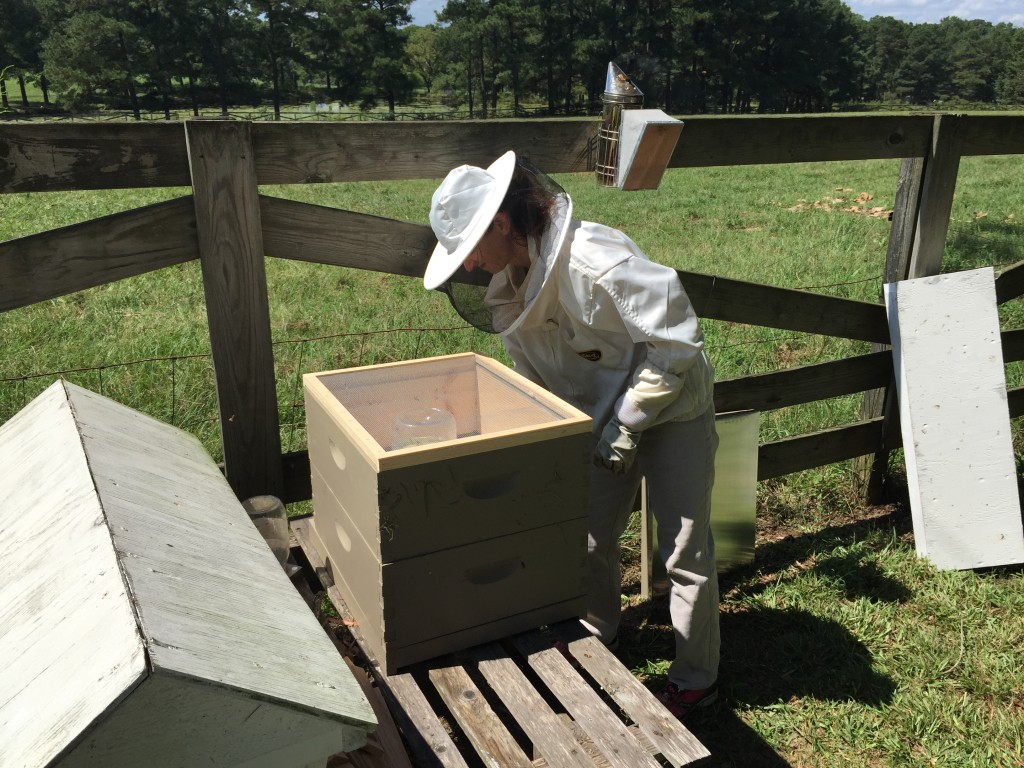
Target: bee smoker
619, 93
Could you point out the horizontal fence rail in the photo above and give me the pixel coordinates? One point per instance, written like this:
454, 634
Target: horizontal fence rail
225, 162
67, 156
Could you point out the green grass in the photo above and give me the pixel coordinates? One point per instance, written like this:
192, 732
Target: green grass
840, 646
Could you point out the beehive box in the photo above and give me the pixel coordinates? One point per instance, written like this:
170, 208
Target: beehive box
443, 545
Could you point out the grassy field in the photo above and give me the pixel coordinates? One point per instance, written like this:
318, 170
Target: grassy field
840, 647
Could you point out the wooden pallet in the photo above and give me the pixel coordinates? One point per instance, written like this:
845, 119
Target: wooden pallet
521, 702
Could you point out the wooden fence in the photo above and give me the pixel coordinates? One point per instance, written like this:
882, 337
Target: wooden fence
229, 226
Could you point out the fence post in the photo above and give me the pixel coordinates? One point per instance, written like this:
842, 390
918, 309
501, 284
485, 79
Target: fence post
920, 222
230, 238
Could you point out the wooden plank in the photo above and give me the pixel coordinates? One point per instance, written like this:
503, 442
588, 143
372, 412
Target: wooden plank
587, 744
234, 277
872, 469
48, 157
371, 151
712, 141
941, 166
305, 232
670, 737
488, 735
551, 740
298, 485
990, 135
904, 219
1013, 345
96, 252
1015, 402
582, 702
817, 449
426, 736
720, 298
804, 384
1010, 283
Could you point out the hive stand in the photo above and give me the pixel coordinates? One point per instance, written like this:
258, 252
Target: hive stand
519, 702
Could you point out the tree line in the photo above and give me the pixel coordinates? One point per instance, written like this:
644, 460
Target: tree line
688, 56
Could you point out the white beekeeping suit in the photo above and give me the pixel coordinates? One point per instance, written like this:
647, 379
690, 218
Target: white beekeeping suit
597, 323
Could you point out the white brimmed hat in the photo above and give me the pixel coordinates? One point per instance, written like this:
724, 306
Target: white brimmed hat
461, 210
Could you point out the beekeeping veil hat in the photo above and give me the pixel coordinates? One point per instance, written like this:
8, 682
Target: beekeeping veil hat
461, 210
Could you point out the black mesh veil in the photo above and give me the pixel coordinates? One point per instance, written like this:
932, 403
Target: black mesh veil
468, 291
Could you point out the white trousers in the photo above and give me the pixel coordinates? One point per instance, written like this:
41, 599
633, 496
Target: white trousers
677, 459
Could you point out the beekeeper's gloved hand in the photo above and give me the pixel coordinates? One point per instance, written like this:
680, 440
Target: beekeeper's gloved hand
617, 447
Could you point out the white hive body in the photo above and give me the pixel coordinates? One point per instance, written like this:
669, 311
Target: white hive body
143, 619
473, 536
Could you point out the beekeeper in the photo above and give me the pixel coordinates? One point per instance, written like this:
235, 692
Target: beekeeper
585, 314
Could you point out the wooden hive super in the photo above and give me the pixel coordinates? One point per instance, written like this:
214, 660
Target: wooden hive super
452, 543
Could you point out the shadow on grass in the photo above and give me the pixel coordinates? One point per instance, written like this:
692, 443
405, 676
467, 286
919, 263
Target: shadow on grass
775, 657
770, 657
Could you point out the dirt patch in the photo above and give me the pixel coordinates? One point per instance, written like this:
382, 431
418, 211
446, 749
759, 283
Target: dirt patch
859, 205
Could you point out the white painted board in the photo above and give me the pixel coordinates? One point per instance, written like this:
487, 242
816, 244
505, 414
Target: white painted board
69, 643
961, 470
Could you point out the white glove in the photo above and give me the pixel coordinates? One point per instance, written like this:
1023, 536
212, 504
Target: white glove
617, 447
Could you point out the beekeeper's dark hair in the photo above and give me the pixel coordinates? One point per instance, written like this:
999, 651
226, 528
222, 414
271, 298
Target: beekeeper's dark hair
529, 203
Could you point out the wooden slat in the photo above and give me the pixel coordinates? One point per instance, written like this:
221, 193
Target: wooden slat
374, 151
669, 736
582, 702
712, 141
491, 739
315, 233
804, 384
817, 449
904, 219
720, 298
96, 252
298, 485
1013, 345
942, 164
426, 736
50, 157
1010, 283
305, 232
872, 469
550, 738
587, 744
1015, 402
237, 307
47, 157
992, 135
